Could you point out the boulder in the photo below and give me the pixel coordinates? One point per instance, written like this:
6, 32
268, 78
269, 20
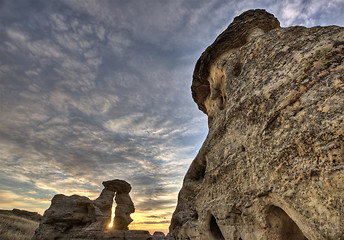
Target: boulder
272, 165
65, 213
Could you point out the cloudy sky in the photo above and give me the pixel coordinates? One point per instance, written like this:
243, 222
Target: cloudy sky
99, 90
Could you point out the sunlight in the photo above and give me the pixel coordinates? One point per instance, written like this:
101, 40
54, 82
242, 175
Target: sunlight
111, 224
144, 220
112, 215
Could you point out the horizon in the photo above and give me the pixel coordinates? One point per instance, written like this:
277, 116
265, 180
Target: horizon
98, 90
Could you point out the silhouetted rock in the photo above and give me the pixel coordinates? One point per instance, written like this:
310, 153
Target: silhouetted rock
272, 165
117, 185
78, 217
123, 210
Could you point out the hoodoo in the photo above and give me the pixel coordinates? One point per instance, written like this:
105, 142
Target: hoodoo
272, 165
78, 217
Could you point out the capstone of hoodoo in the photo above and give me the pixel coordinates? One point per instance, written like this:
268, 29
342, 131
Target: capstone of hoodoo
272, 165
78, 217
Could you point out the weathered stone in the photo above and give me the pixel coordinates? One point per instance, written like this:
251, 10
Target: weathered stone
65, 213
123, 210
117, 185
69, 210
103, 205
272, 165
77, 217
244, 27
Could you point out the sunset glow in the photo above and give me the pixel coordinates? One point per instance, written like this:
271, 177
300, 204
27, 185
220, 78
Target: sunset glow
111, 224
151, 221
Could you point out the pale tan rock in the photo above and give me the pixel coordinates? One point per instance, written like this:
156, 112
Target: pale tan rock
272, 165
239, 32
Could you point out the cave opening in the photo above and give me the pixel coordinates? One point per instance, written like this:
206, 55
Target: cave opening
215, 230
282, 227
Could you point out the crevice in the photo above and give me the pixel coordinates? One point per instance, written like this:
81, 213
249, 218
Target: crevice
215, 230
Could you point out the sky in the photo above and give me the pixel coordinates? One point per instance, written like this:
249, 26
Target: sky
100, 90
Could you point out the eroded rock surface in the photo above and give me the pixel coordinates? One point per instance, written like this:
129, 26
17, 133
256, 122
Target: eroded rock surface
272, 165
208, 85
78, 217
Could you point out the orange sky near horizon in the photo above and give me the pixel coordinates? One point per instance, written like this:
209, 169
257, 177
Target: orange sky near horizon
150, 220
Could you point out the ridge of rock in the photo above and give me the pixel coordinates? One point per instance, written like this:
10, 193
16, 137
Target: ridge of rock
34, 216
272, 165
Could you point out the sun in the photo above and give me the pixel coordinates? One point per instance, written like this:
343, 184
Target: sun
110, 224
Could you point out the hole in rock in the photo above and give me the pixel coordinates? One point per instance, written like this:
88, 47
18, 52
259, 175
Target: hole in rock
282, 227
112, 215
237, 69
195, 216
215, 230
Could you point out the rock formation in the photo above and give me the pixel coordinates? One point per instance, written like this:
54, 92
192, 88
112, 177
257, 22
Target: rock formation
272, 165
78, 217
124, 203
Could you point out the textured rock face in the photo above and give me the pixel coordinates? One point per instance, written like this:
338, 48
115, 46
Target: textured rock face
272, 165
123, 210
117, 185
124, 203
208, 86
78, 217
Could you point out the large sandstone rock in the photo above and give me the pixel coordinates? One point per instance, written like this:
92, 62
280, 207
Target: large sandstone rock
272, 165
78, 217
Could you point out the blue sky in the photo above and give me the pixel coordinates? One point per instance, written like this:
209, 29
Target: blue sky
98, 90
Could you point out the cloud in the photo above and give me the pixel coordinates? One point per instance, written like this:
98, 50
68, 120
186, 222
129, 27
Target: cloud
153, 222
59, 22
17, 35
98, 90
